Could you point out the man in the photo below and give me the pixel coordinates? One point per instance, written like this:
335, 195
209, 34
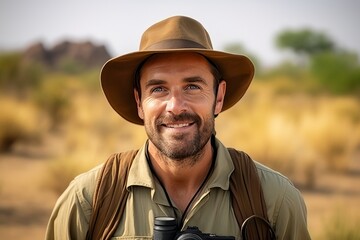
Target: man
175, 86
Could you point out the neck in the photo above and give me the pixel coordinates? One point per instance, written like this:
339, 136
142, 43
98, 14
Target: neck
181, 178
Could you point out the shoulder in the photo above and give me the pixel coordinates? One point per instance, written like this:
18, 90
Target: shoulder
279, 192
74, 203
84, 184
275, 183
285, 205
270, 176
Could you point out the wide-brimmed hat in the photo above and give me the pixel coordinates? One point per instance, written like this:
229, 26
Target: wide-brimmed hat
174, 34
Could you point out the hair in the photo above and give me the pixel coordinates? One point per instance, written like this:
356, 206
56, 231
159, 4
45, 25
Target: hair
216, 73
213, 68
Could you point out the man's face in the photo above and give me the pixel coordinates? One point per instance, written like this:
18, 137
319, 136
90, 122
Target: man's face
178, 103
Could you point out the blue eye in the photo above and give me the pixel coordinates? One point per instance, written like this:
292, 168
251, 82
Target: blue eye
193, 87
157, 89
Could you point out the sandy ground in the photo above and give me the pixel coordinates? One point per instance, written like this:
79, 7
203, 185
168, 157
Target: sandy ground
25, 205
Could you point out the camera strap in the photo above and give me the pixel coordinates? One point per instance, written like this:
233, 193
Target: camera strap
183, 215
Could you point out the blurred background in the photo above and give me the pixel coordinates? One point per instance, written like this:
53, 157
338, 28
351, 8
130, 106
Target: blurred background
301, 115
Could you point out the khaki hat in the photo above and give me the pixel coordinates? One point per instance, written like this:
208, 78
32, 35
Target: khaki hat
174, 34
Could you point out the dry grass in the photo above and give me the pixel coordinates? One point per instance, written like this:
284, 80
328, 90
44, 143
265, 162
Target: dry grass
343, 224
88, 138
20, 121
295, 134
304, 137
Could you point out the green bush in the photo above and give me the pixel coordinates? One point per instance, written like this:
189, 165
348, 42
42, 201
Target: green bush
9, 67
338, 72
71, 66
286, 69
53, 97
16, 76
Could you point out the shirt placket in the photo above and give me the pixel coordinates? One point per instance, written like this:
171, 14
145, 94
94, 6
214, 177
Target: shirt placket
198, 204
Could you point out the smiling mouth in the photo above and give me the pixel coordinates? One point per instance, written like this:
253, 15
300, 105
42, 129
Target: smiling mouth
177, 125
181, 121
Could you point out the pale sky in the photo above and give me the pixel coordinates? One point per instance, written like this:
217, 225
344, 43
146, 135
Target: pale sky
119, 24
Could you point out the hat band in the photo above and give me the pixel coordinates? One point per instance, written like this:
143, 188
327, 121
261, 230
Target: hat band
175, 44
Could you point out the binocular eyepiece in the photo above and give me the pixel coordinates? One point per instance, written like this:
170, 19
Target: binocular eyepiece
165, 228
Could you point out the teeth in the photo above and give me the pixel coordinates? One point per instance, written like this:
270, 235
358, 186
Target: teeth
178, 125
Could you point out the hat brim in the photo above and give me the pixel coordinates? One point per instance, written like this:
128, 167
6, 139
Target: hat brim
118, 74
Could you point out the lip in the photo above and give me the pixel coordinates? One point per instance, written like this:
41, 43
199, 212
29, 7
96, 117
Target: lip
177, 126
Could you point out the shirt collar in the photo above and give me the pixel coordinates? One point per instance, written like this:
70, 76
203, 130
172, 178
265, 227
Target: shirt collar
223, 168
140, 173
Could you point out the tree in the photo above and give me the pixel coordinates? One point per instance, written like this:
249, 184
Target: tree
305, 42
338, 72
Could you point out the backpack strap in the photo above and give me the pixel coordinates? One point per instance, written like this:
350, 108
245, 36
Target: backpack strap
110, 196
248, 199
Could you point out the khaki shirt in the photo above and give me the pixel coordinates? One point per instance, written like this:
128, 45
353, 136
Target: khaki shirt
211, 212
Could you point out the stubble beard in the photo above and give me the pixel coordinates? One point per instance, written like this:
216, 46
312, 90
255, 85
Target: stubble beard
181, 148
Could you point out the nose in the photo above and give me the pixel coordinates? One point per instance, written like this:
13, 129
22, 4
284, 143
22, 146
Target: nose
176, 103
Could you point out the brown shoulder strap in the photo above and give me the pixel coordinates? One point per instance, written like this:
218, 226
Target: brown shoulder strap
110, 196
248, 198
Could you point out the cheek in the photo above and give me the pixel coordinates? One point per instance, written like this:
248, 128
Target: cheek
207, 105
151, 108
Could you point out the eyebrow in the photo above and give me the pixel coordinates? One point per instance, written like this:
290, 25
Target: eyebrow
194, 79
154, 82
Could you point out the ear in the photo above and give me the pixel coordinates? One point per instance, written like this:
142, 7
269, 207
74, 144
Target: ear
220, 97
138, 104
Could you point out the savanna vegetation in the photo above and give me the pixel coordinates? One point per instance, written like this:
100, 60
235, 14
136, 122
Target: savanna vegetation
301, 118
